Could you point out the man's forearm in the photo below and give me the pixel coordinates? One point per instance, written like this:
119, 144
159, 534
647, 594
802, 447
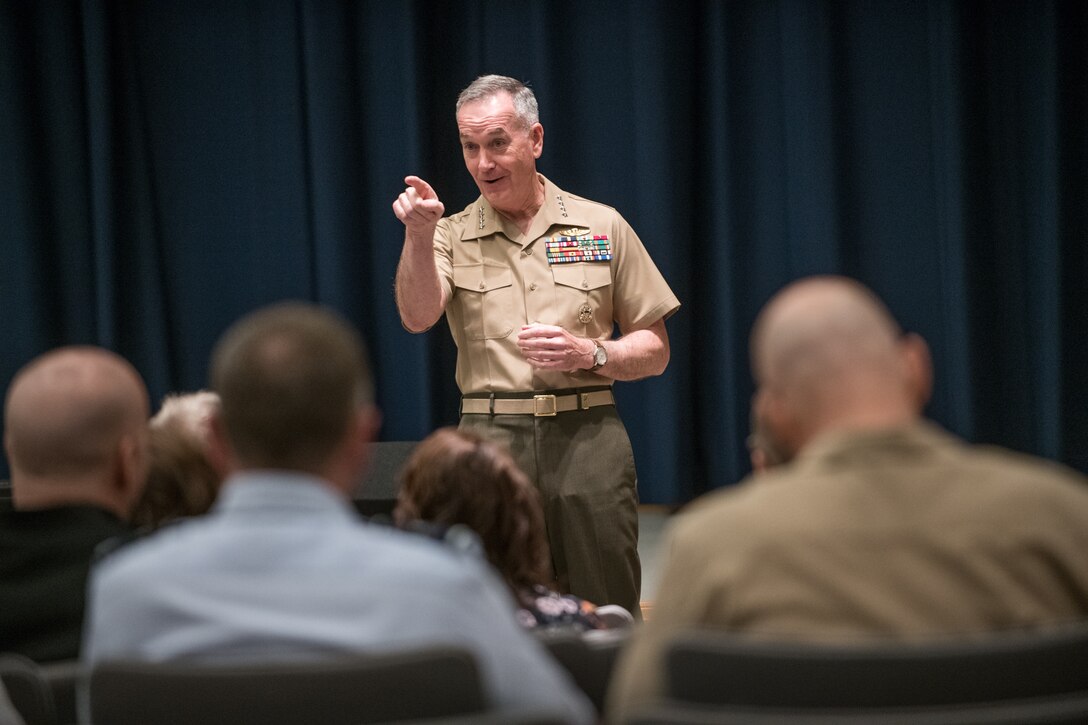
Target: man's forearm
638, 354
419, 295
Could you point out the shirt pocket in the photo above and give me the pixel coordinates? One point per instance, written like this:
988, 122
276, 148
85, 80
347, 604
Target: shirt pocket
486, 293
579, 284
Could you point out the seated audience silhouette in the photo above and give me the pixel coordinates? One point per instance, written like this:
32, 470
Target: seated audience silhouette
282, 567
75, 432
182, 480
458, 478
882, 525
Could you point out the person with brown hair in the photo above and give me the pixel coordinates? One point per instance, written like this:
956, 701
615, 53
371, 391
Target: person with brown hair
457, 477
182, 479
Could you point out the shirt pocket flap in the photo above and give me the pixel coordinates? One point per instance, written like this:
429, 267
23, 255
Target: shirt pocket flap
482, 277
583, 275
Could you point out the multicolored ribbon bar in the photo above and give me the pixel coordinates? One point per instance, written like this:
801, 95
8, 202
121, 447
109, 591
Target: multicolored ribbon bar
584, 248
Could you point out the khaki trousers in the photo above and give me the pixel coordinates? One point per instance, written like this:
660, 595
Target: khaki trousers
582, 464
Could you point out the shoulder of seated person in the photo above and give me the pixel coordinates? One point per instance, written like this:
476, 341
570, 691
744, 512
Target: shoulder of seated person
458, 538
121, 542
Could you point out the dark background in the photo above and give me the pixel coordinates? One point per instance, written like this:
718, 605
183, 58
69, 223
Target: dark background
167, 166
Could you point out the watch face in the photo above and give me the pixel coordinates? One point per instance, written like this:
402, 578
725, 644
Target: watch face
600, 356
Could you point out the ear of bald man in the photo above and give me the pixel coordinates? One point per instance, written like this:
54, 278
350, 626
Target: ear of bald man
132, 459
919, 368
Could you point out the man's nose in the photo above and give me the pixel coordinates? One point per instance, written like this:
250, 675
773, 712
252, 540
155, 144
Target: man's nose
486, 161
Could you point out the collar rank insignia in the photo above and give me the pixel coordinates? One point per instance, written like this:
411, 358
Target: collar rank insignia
565, 249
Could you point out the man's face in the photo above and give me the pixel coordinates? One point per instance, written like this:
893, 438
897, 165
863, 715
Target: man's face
501, 153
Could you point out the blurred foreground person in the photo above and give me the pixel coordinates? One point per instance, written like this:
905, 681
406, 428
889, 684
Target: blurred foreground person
75, 432
283, 567
879, 524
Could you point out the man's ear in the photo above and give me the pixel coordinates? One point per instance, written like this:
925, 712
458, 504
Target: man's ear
133, 461
368, 421
217, 446
919, 368
536, 137
352, 458
785, 431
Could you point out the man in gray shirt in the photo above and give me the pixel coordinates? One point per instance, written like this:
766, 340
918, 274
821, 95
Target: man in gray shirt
281, 567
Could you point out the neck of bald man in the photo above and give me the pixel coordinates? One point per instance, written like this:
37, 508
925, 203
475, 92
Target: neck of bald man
36, 493
872, 413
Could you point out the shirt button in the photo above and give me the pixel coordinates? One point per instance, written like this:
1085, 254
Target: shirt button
532, 287
526, 252
585, 283
482, 285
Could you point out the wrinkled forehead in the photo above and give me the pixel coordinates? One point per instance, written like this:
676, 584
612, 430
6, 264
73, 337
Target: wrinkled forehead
491, 116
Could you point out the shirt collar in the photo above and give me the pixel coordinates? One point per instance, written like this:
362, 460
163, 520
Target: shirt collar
907, 441
275, 490
558, 210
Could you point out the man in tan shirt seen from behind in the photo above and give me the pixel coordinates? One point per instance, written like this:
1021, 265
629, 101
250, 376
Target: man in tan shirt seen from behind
879, 524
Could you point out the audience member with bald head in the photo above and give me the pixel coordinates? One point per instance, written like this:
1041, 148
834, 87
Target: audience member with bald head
877, 524
75, 433
282, 567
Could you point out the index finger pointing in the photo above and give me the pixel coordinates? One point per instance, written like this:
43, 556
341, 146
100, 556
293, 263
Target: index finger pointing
422, 187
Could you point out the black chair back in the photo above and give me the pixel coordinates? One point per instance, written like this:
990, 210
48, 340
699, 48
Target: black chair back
27, 690
1010, 678
376, 493
387, 687
589, 657
720, 668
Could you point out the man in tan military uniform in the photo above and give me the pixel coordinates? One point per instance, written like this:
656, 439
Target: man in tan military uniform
881, 525
532, 280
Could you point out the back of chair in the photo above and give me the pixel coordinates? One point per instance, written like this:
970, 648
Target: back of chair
715, 668
376, 492
1071, 710
27, 690
387, 687
589, 657
61, 678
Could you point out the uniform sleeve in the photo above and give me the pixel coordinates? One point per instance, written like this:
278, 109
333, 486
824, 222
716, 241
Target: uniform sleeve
444, 234
640, 294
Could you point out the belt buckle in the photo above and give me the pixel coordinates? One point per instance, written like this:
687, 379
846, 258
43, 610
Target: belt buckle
544, 406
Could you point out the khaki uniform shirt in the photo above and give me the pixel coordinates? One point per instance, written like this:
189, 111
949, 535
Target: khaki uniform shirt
894, 534
497, 279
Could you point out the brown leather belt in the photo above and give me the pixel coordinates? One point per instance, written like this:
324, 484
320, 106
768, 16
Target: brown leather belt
537, 405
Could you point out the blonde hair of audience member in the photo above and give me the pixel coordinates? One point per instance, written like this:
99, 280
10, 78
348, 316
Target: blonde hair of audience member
75, 431
827, 355
457, 477
295, 394
182, 479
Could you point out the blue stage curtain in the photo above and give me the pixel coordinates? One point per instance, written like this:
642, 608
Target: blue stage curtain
167, 166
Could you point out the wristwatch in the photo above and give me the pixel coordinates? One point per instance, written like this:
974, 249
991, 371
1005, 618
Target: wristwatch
600, 356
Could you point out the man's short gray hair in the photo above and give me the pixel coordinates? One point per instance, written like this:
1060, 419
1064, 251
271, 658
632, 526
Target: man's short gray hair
487, 86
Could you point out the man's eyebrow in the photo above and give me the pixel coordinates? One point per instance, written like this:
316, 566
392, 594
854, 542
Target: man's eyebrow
496, 131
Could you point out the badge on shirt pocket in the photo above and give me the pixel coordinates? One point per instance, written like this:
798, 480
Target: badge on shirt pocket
583, 296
